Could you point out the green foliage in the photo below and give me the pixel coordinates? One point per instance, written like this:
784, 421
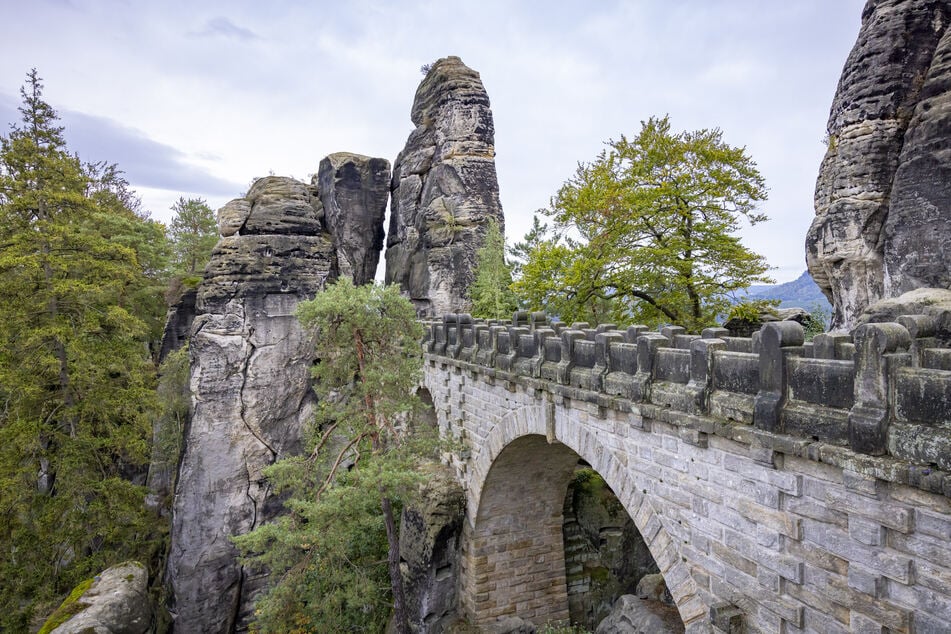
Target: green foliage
750, 311
491, 293
76, 381
328, 554
817, 323
588, 483
194, 233
170, 415
646, 232
521, 251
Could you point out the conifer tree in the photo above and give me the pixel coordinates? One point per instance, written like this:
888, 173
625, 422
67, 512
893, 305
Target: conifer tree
335, 556
491, 292
75, 379
194, 233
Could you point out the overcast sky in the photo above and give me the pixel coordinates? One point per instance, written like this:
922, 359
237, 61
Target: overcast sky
197, 99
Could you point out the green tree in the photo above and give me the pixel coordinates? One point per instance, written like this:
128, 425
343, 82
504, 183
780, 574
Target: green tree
335, 555
491, 291
117, 215
535, 236
75, 379
194, 233
647, 232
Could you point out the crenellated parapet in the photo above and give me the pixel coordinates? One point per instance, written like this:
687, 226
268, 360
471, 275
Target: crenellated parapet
884, 390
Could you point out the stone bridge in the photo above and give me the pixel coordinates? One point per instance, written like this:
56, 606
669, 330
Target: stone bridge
780, 486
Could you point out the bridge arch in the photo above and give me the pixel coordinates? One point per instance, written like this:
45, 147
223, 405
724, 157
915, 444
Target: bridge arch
513, 563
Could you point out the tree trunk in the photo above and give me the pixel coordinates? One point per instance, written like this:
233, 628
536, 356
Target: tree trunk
400, 619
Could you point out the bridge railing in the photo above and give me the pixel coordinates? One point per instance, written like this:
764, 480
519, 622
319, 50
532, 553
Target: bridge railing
884, 389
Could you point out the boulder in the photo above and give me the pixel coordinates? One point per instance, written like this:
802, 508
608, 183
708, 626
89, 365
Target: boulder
745, 327
444, 190
232, 216
885, 174
354, 190
279, 205
932, 302
632, 615
654, 587
510, 625
117, 602
251, 397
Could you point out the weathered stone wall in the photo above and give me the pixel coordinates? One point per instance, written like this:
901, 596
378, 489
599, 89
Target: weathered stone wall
796, 532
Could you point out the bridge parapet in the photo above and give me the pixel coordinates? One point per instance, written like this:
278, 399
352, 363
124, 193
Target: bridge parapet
884, 390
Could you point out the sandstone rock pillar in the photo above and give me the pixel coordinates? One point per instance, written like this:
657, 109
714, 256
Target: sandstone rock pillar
444, 190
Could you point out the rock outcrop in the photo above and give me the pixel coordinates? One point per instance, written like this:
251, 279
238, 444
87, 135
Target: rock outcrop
354, 190
883, 196
930, 306
117, 602
444, 190
250, 379
178, 323
430, 533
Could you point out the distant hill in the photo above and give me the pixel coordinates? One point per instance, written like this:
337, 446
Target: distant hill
802, 292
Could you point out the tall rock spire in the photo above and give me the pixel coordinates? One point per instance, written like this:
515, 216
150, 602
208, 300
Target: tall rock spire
444, 190
250, 369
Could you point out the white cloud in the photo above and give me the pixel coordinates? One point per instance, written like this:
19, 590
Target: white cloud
278, 85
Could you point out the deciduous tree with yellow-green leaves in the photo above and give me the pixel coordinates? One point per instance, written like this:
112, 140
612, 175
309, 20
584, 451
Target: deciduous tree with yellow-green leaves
647, 232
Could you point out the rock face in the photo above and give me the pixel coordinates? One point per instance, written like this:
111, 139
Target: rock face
117, 602
883, 196
354, 190
444, 190
178, 323
605, 555
250, 385
430, 532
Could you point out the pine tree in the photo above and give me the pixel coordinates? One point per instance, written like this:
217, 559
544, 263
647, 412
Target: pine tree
336, 554
491, 293
194, 233
75, 379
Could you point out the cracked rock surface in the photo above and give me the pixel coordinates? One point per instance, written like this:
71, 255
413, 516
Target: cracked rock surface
883, 196
444, 190
251, 393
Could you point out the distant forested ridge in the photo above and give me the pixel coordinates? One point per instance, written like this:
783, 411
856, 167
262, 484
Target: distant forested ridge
802, 292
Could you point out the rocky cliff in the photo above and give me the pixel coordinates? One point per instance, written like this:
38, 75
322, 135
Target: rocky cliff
883, 196
250, 380
444, 190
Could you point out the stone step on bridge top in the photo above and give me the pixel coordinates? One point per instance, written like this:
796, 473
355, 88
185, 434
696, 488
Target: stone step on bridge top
882, 391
